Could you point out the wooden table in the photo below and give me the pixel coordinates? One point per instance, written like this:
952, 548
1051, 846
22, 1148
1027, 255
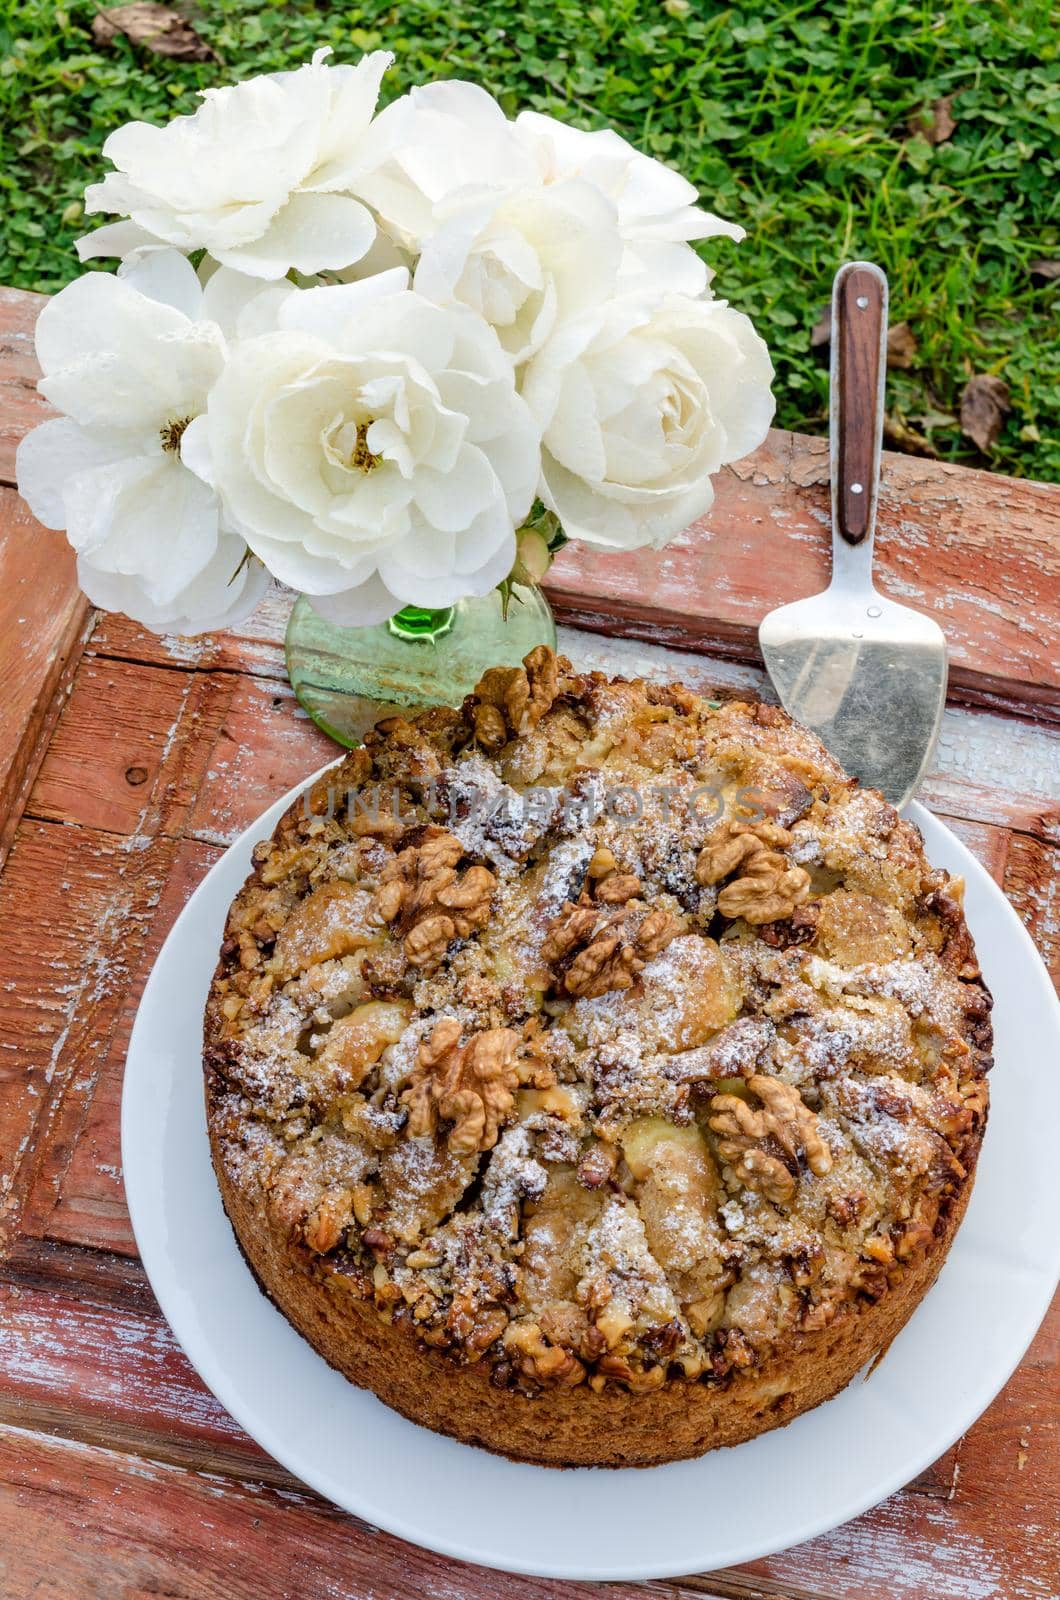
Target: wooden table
128, 762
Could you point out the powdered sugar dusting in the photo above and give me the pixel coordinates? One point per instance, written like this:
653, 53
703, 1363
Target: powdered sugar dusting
491, 818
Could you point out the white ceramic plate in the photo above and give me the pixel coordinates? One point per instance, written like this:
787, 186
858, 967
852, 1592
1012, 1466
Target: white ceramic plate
730, 1506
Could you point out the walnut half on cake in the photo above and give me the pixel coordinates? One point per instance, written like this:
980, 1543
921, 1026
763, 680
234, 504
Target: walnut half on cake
596, 1072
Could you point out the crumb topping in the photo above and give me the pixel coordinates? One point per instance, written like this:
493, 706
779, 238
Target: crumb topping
601, 1033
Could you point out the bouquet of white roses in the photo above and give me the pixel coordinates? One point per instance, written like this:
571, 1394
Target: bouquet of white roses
351, 349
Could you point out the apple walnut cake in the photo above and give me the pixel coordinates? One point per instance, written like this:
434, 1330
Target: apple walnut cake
596, 1072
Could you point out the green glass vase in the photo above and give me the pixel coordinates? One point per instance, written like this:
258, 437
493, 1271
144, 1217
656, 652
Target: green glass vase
348, 678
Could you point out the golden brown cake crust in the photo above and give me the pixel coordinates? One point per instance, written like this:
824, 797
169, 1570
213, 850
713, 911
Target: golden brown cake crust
596, 1073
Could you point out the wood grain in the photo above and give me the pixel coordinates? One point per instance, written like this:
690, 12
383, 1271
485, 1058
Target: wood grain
21, 407
52, 986
82, 1201
43, 624
1032, 883
94, 1524
198, 754
859, 336
81, 1368
254, 648
68, 975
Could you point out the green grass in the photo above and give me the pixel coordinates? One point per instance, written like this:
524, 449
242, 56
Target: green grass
793, 119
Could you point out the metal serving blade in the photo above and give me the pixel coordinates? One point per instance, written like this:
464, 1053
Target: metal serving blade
867, 675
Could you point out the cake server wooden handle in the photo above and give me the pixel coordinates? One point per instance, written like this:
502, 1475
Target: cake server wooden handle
859, 363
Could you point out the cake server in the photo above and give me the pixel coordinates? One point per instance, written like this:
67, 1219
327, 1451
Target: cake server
867, 675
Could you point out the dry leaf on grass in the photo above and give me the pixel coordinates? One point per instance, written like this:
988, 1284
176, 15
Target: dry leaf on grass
898, 435
1044, 271
935, 124
901, 345
984, 406
942, 121
157, 28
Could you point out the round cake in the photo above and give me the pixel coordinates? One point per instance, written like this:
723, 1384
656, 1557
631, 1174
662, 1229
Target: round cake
596, 1072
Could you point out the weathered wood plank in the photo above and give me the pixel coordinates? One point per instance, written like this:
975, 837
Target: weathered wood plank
44, 620
132, 746
143, 749
83, 1202
990, 845
21, 407
76, 907
56, 905
996, 1537
195, 753
1032, 883
115, 1374
907, 1551
255, 647
76, 1520
100, 1277
266, 745
113, 749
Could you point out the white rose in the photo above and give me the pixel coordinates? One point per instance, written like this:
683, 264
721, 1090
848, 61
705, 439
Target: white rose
129, 361
447, 146
653, 201
373, 452
524, 259
438, 141
657, 209
256, 176
447, 176
238, 304
639, 402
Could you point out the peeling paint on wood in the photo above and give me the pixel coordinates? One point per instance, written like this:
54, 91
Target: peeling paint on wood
21, 407
44, 620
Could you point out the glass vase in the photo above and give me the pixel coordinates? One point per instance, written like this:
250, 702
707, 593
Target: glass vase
348, 678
